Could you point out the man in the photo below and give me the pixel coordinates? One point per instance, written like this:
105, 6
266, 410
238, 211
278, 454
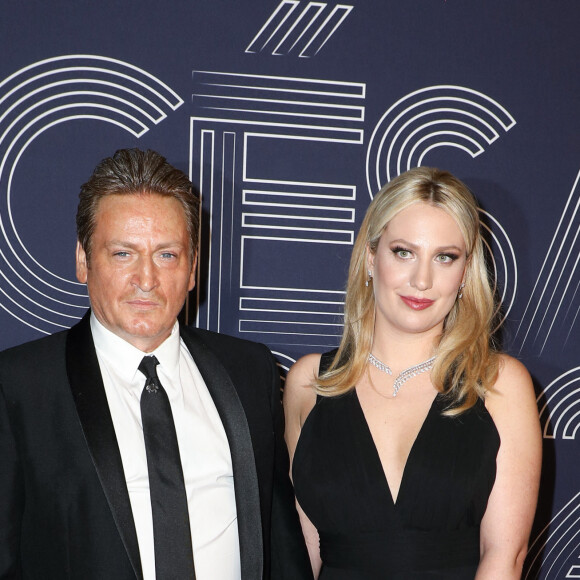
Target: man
133, 447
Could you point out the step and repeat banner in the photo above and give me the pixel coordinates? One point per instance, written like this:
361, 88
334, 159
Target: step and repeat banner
289, 115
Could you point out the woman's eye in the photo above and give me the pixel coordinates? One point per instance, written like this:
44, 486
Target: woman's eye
402, 253
446, 258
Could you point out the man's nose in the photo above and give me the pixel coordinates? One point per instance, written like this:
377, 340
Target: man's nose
145, 276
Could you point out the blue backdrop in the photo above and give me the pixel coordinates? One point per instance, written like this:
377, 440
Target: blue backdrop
289, 115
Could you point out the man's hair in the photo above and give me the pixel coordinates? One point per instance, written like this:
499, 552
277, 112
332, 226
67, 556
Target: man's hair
134, 172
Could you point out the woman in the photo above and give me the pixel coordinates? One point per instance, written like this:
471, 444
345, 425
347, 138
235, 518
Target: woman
416, 446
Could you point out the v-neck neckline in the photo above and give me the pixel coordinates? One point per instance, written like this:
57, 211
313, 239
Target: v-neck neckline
395, 502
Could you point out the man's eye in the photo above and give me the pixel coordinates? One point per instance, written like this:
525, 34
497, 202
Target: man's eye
121, 254
168, 255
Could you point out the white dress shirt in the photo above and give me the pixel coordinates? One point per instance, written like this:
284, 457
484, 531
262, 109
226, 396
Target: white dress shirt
203, 446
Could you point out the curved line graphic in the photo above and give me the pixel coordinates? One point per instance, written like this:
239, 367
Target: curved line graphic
120, 88
557, 404
493, 117
11, 175
495, 277
440, 121
512, 254
35, 100
562, 415
26, 283
562, 550
280, 355
560, 533
507, 307
171, 98
558, 393
443, 144
36, 315
474, 151
21, 319
576, 419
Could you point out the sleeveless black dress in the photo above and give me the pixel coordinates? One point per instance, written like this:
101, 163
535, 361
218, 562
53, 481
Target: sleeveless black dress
432, 531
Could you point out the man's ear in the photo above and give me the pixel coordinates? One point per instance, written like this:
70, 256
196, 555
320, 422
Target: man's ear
191, 284
81, 263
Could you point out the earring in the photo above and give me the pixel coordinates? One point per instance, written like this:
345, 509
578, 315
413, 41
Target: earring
370, 277
460, 293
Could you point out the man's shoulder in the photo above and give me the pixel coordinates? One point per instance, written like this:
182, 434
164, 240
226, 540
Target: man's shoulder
219, 341
33, 363
39, 348
235, 354
250, 365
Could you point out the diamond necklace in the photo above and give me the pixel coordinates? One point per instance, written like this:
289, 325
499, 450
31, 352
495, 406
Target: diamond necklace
404, 375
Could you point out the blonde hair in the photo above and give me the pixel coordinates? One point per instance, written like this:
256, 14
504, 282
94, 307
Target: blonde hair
466, 363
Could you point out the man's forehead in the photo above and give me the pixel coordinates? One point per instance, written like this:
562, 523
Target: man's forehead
132, 219
133, 197
136, 202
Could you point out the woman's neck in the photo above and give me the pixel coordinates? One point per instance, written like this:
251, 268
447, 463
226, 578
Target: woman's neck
402, 350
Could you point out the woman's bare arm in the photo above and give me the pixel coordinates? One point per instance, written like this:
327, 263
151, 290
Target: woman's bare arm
299, 399
507, 523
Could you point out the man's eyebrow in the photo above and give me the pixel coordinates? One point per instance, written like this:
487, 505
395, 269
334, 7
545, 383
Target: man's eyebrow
134, 246
123, 243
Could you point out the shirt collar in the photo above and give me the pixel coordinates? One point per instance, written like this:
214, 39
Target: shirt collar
125, 358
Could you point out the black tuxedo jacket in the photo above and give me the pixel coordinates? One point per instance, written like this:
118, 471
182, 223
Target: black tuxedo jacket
64, 505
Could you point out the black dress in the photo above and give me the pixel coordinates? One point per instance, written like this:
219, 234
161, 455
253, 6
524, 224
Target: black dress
432, 531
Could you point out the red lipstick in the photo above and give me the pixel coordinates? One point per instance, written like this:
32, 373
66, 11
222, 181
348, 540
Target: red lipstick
417, 303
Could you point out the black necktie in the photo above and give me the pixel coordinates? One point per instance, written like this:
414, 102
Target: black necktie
171, 531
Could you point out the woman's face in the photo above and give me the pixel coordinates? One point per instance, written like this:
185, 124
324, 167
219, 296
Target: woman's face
417, 269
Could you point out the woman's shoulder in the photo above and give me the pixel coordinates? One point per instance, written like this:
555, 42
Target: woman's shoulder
299, 393
512, 375
513, 392
306, 367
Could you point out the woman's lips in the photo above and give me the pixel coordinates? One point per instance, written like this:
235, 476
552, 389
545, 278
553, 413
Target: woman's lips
417, 303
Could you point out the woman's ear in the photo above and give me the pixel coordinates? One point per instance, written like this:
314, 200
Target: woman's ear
466, 269
370, 259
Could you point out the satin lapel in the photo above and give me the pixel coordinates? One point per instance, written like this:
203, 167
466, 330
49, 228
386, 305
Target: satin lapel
234, 420
91, 402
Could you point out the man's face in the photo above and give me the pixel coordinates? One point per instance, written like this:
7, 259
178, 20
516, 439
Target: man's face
140, 268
